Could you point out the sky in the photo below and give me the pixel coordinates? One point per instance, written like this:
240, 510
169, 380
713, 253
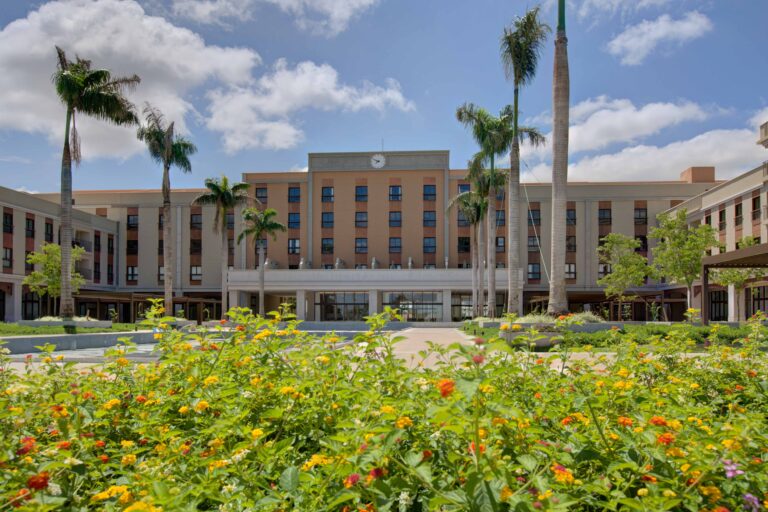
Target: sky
656, 85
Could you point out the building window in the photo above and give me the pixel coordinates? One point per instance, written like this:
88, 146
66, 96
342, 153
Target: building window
534, 217
604, 216
133, 222
361, 219
294, 220
261, 194
395, 266
501, 218
28, 267
462, 220
603, 269
96, 243
718, 306
160, 221
196, 273
430, 266
97, 271
261, 242
430, 192
160, 247
132, 247
361, 193
132, 273
30, 228
416, 306
570, 271
463, 187
395, 245
48, 232
395, 193
534, 271
231, 247
335, 306
756, 208
195, 246
327, 195
230, 218
570, 217
294, 246
501, 244
110, 273
533, 244
360, 266
7, 223
430, 219
641, 216
430, 245
294, 194
161, 273
739, 217
327, 220
570, 243
196, 221
721, 220
643, 243
361, 246
326, 246
464, 244
110, 245
395, 219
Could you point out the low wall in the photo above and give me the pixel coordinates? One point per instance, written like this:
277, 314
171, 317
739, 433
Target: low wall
27, 344
100, 324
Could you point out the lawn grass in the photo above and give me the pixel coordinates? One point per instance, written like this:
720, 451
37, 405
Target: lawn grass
11, 329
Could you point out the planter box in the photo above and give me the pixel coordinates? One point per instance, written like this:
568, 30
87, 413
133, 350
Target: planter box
101, 324
27, 344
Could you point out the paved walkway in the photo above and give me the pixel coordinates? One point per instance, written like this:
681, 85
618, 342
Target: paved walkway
417, 338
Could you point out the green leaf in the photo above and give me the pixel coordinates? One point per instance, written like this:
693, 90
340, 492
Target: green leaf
529, 462
289, 480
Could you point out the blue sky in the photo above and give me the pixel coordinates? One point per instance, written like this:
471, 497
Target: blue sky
657, 85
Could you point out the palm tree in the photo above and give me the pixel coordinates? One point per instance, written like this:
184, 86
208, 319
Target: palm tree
473, 205
259, 224
558, 298
223, 197
168, 149
494, 136
95, 93
520, 51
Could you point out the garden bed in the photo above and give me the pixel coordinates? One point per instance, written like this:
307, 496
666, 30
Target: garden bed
91, 324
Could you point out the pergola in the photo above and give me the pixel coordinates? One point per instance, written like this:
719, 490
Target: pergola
749, 257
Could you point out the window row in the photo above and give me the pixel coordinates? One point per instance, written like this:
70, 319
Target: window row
534, 271
132, 273
327, 195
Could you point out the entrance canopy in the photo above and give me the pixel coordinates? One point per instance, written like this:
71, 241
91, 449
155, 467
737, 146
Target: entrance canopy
748, 257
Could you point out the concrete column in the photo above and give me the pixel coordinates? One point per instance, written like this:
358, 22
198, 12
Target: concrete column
373, 302
301, 305
733, 298
446, 305
15, 311
234, 299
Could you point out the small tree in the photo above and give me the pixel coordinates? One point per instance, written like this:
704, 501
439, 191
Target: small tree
680, 249
739, 277
47, 280
628, 268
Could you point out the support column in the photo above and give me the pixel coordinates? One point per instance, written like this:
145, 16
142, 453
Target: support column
301, 305
447, 306
733, 298
705, 296
234, 299
16, 301
373, 302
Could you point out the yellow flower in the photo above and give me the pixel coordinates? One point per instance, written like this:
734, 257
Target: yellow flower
316, 460
669, 493
506, 493
498, 421
403, 422
685, 467
111, 403
516, 327
257, 433
125, 498
287, 390
545, 495
157, 336
127, 444
201, 406
387, 409
623, 373
504, 327
642, 492
210, 380
486, 388
255, 380
216, 443
122, 361
128, 460
140, 506
695, 386
183, 409
731, 444
323, 359
217, 464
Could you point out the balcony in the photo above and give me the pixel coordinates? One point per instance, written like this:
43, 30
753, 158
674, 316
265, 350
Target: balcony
763, 135
85, 244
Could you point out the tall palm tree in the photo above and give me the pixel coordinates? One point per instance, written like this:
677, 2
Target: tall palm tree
259, 224
223, 197
521, 47
95, 93
494, 136
168, 149
472, 206
558, 298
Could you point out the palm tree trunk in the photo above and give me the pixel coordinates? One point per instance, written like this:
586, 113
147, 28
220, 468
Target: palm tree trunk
475, 267
168, 242
262, 262
224, 268
513, 220
480, 268
491, 251
558, 299
67, 307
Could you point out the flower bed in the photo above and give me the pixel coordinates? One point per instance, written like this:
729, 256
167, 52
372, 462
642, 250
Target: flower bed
261, 418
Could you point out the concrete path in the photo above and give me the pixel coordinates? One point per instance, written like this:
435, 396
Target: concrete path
417, 338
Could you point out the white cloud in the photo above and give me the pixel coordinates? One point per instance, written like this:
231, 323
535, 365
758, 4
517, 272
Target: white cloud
760, 118
26, 190
15, 160
610, 7
638, 41
325, 17
171, 61
259, 116
597, 123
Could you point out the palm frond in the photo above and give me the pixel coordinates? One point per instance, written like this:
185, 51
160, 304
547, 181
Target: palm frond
521, 45
534, 137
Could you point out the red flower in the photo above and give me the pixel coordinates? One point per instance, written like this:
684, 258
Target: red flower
376, 473
64, 445
99, 444
426, 455
141, 399
478, 358
38, 482
666, 438
566, 421
351, 480
27, 445
472, 448
659, 421
446, 387
87, 395
479, 341
240, 328
223, 321
103, 458
649, 478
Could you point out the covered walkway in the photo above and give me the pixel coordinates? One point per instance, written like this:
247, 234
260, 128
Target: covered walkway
748, 257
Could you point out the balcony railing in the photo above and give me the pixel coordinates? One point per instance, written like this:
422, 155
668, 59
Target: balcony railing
85, 244
738, 220
755, 214
85, 272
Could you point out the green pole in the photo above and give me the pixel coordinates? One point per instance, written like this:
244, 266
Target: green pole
561, 16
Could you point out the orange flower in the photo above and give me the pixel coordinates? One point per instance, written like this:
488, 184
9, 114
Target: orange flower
566, 421
624, 421
446, 387
659, 421
39, 481
141, 399
64, 445
666, 438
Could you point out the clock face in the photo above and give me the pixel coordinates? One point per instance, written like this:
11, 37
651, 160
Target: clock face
378, 161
